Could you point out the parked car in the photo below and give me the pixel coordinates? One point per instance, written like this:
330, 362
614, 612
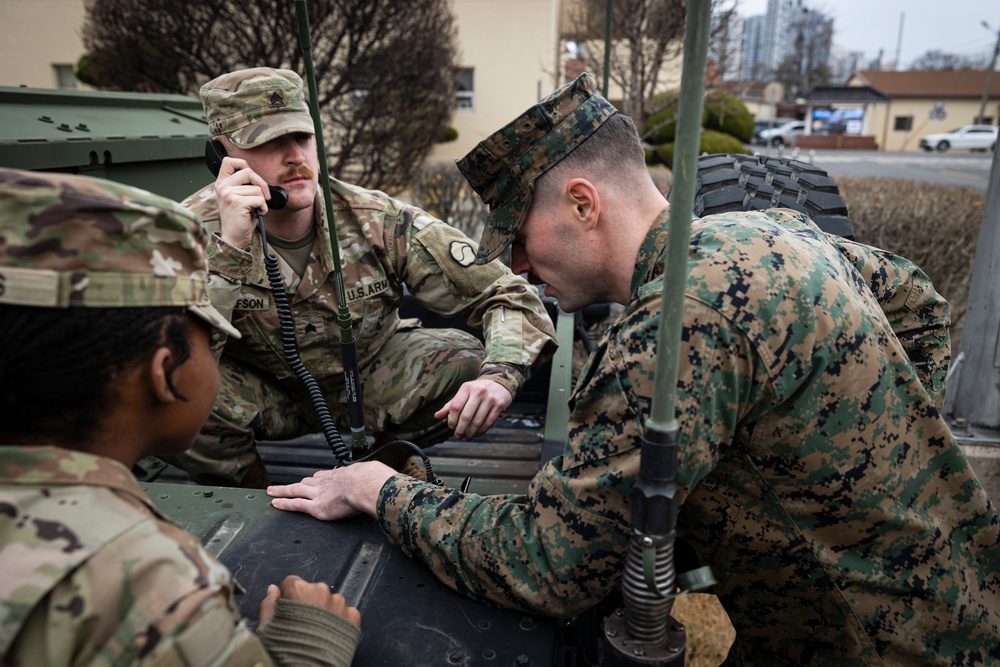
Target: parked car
784, 134
973, 137
761, 124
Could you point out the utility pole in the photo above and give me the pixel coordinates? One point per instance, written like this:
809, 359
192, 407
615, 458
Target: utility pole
899, 42
989, 76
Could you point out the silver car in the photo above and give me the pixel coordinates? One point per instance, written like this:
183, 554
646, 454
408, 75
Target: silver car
973, 137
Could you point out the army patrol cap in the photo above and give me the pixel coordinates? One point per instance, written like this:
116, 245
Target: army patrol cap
254, 106
78, 242
503, 167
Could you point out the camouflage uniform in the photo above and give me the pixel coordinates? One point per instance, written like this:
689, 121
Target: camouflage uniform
407, 372
93, 574
839, 516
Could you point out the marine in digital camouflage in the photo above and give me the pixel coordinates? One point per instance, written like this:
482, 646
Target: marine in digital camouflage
254, 106
407, 372
503, 167
838, 514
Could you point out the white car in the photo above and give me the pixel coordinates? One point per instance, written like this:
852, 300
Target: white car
973, 137
784, 134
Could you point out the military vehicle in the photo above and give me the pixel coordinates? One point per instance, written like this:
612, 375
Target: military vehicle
157, 142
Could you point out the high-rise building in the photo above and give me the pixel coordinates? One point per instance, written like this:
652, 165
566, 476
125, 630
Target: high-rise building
754, 68
726, 49
769, 39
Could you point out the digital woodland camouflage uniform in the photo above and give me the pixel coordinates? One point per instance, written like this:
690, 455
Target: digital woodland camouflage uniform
92, 572
838, 514
407, 372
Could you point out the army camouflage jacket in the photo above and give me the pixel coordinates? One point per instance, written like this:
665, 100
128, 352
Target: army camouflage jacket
838, 514
384, 245
93, 574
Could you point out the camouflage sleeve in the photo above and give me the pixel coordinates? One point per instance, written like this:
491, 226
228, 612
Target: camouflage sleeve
152, 596
437, 266
561, 547
228, 266
919, 316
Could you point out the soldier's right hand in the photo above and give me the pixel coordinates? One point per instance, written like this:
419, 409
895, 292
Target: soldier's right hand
239, 190
318, 594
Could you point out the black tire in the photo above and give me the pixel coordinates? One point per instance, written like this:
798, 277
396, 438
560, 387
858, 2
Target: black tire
943, 146
757, 182
777, 141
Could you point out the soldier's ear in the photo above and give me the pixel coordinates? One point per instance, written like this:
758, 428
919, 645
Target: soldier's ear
585, 201
158, 368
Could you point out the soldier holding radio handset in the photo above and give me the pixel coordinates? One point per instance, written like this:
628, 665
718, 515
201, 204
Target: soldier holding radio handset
420, 385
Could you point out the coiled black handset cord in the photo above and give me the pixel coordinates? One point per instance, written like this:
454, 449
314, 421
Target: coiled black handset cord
290, 348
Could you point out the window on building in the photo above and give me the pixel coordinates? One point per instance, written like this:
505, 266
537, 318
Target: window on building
903, 123
465, 94
65, 76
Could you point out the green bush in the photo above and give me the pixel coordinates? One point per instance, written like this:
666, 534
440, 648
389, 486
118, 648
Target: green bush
665, 154
720, 142
448, 134
661, 126
711, 142
726, 113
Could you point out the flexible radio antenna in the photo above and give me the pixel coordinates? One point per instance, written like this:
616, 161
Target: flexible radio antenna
348, 347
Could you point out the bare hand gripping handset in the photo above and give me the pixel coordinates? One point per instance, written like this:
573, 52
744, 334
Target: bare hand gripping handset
215, 151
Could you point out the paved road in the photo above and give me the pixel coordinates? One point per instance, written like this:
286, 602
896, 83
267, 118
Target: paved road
957, 167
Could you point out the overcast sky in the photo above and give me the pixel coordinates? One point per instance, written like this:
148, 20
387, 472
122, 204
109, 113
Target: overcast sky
952, 26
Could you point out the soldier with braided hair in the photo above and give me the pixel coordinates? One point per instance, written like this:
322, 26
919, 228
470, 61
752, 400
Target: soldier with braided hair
105, 358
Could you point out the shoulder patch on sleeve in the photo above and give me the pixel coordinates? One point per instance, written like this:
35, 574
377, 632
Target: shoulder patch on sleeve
454, 253
462, 252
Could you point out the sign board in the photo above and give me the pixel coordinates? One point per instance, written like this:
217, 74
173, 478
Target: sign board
938, 112
774, 92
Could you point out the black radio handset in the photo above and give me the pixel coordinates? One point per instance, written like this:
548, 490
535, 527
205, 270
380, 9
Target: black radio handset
214, 153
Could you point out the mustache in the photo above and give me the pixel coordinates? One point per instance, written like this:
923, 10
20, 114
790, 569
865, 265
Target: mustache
533, 278
295, 172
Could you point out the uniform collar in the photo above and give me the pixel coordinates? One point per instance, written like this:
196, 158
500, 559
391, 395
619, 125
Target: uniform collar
48, 465
649, 261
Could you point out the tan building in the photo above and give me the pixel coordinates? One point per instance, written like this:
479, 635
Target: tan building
925, 102
40, 42
509, 55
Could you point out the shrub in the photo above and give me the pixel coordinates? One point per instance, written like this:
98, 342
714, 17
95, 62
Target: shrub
711, 142
661, 126
726, 113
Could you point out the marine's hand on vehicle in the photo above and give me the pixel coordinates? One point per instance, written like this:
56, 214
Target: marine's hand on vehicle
334, 494
475, 408
318, 594
239, 190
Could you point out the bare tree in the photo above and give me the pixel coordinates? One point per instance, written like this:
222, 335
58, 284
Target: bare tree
385, 69
939, 60
645, 35
807, 65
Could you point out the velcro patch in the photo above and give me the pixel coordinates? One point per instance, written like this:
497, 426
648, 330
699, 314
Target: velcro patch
367, 290
29, 287
253, 303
